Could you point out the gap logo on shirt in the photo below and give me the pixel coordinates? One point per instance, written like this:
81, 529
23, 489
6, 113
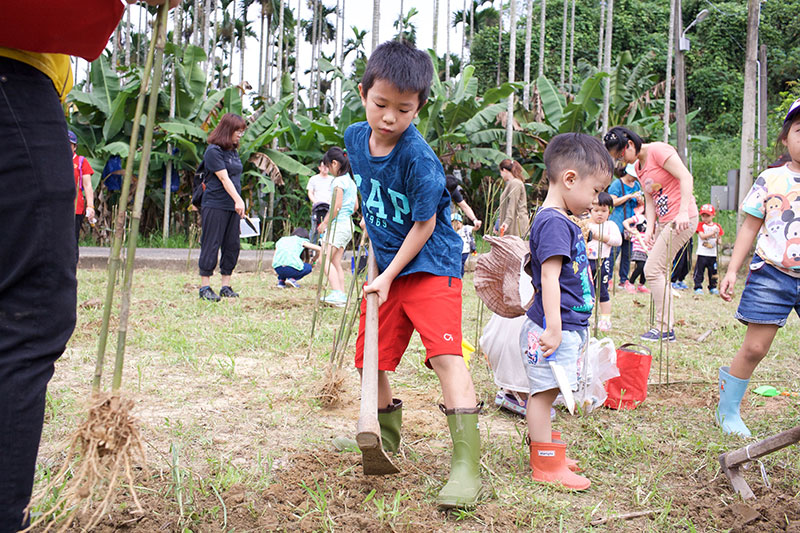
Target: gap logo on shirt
381, 207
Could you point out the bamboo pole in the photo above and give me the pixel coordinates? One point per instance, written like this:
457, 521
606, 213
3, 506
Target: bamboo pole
119, 225
124, 309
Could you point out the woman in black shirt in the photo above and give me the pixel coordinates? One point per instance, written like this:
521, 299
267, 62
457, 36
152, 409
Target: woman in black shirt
222, 206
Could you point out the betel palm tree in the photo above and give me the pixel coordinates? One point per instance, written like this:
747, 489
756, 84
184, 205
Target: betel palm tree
512, 67
435, 24
485, 18
526, 91
564, 43
355, 44
376, 22
406, 30
244, 30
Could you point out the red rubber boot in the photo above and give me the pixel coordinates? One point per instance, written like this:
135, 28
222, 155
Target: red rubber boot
572, 464
548, 462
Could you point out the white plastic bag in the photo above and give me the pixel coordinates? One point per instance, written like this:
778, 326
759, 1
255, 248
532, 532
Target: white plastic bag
500, 343
596, 365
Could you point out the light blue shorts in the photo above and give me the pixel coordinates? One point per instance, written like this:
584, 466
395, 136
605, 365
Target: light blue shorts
537, 367
769, 295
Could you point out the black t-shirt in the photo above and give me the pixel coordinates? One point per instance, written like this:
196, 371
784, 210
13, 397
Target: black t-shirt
216, 159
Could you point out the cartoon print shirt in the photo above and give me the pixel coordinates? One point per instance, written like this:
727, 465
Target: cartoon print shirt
708, 247
401, 188
466, 237
663, 187
775, 198
553, 234
637, 221
612, 235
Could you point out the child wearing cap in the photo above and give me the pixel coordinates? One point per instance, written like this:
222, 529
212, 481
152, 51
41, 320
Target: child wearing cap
465, 232
770, 292
708, 234
578, 168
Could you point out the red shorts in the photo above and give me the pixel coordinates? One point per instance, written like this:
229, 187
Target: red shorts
422, 301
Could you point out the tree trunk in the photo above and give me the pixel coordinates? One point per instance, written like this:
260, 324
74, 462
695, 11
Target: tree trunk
542, 20
269, 54
207, 6
526, 91
128, 35
499, 40
564, 43
471, 26
607, 63
279, 56
115, 48
242, 45
447, 43
463, 34
435, 25
512, 64
212, 53
314, 45
295, 103
376, 21
602, 35
571, 44
762, 106
668, 78
337, 87
680, 88
262, 42
233, 43
195, 25
748, 105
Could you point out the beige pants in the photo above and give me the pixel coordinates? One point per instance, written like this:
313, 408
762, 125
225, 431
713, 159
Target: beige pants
667, 245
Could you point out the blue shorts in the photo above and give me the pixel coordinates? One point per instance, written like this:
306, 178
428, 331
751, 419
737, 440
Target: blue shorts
540, 375
769, 295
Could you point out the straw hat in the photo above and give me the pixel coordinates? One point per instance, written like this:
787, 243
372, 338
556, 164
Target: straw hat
497, 276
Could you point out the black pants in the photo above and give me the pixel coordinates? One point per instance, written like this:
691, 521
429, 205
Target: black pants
37, 270
220, 232
78, 225
680, 265
605, 271
638, 272
705, 262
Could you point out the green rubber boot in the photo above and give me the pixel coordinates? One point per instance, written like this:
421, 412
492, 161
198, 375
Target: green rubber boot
463, 489
390, 420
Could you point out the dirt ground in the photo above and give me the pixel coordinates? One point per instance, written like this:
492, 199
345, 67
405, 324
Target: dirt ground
236, 441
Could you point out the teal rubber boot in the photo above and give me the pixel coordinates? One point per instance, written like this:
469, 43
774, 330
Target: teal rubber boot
390, 420
463, 489
731, 391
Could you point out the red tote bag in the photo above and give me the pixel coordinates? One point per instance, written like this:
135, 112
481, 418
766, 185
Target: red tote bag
629, 390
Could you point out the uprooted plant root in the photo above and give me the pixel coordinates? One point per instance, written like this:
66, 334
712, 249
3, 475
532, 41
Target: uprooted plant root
332, 387
106, 445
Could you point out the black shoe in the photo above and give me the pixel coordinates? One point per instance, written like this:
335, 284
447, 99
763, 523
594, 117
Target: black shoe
227, 292
207, 293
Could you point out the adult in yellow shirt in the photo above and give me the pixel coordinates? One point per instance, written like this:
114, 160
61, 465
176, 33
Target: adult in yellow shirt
37, 218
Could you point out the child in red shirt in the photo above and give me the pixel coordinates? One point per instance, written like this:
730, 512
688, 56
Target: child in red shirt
708, 233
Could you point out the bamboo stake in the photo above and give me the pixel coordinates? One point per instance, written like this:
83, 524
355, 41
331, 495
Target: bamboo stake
597, 282
323, 258
124, 309
119, 226
340, 333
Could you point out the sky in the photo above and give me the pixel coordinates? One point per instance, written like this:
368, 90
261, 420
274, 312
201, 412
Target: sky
357, 13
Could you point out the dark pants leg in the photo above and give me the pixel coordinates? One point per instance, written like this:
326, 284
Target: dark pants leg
286, 272
638, 273
78, 224
37, 270
624, 262
220, 231
705, 263
680, 265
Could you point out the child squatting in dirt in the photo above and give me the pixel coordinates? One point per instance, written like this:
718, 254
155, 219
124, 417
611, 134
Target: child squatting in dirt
578, 167
407, 216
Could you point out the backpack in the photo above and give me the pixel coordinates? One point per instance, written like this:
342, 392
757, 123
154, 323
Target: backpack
199, 185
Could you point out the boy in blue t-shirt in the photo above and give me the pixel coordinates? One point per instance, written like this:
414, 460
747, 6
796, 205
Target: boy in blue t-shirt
578, 168
407, 216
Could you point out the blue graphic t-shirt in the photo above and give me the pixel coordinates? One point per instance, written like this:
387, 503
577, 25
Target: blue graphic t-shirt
623, 211
401, 188
554, 234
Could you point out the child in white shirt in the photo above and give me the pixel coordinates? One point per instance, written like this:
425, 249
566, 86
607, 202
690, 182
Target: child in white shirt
465, 232
603, 236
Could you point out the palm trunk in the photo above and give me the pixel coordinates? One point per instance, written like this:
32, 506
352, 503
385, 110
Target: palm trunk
212, 53
499, 40
668, 81
376, 21
542, 20
338, 58
463, 34
435, 25
602, 35
261, 44
295, 103
564, 43
233, 43
115, 48
607, 63
242, 45
526, 91
571, 44
128, 35
471, 27
195, 25
269, 52
447, 47
314, 44
512, 63
206, 30
279, 56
